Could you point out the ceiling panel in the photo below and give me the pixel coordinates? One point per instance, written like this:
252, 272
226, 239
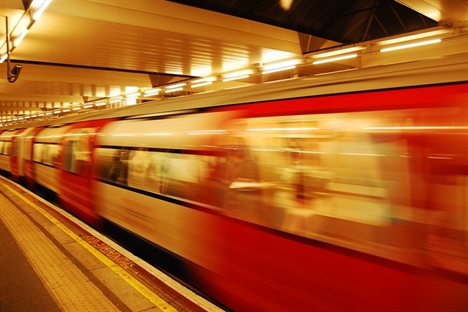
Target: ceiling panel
84, 50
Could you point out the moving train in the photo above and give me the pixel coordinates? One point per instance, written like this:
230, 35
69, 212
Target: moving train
334, 192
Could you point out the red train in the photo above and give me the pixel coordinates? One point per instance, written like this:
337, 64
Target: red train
339, 192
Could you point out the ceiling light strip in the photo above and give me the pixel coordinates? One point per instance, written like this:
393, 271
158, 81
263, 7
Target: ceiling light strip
411, 45
334, 59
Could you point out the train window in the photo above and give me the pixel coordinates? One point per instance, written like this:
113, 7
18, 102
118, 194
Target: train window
51, 152
38, 152
111, 165
1, 147
7, 148
15, 147
184, 175
78, 151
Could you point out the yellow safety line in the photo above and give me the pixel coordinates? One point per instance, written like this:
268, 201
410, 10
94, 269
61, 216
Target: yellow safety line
142, 289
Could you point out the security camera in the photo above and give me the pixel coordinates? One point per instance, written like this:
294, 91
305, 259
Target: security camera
16, 70
14, 73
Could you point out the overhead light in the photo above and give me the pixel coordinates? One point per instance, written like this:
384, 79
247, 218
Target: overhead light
201, 84
100, 103
411, 45
49, 113
414, 37
88, 106
132, 95
41, 9
40, 115
338, 52
173, 90
114, 100
3, 58
237, 75
76, 108
176, 86
151, 92
20, 37
57, 112
334, 59
271, 68
66, 110
201, 80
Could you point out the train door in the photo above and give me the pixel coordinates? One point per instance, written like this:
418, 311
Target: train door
28, 157
15, 155
5, 152
76, 184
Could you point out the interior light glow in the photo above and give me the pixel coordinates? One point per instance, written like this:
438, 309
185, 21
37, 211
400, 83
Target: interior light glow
66, 110
49, 113
410, 45
236, 78
88, 106
100, 103
152, 92
40, 115
241, 73
283, 64
132, 95
76, 108
282, 129
176, 86
173, 90
278, 69
414, 37
158, 134
338, 52
201, 84
41, 9
57, 112
114, 100
33, 116
3, 58
334, 59
20, 37
207, 79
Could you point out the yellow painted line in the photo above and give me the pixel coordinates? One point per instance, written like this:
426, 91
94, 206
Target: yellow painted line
142, 289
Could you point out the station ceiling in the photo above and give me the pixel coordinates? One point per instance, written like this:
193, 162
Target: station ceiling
80, 51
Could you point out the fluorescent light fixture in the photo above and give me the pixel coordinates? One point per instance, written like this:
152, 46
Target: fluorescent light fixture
176, 86
278, 69
49, 113
132, 95
88, 106
3, 58
334, 59
76, 108
173, 90
238, 75
40, 115
283, 64
414, 37
66, 110
151, 92
114, 100
201, 84
41, 9
33, 116
100, 103
236, 78
27, 117
201, 80
338, 52
57, 112
411, 45
20, 37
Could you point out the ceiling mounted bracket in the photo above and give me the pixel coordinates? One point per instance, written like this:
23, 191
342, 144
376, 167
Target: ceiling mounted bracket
12, 74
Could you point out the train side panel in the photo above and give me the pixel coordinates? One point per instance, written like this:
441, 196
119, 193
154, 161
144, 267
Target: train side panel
75, 163
291, 204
